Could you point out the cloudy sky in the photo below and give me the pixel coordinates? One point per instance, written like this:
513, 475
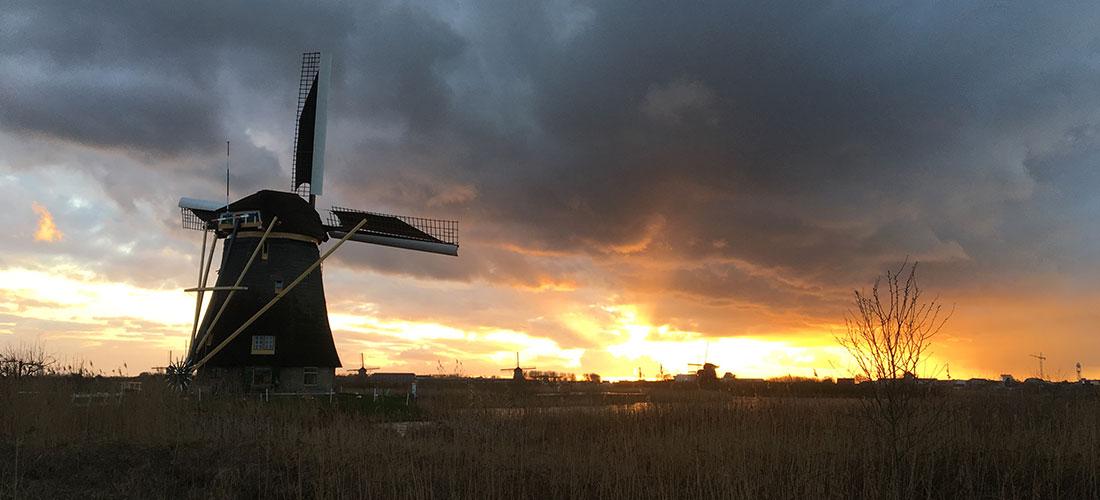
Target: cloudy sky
635, 181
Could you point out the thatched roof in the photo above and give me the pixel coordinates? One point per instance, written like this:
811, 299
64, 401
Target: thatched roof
295, 214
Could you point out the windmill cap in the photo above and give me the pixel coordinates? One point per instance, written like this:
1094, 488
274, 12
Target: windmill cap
295, 214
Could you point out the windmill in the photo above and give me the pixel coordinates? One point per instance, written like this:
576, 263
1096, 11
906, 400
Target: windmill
1079, 377
1041, 358
517, 372
707, 374
363, 370
266, 325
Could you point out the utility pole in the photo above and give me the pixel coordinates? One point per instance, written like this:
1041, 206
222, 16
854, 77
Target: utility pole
1041, 358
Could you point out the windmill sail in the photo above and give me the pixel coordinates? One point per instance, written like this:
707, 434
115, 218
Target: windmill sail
309, 133
412, 233
197, 214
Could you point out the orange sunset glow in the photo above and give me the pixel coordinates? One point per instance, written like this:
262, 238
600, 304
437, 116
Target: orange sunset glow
47, 230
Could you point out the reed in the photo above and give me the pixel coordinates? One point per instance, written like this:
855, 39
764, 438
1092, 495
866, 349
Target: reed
155, 444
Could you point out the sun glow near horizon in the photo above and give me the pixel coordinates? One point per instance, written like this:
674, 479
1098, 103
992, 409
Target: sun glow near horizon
89, 315
676, 351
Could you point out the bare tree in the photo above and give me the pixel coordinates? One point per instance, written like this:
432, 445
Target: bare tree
889, 334
25, 360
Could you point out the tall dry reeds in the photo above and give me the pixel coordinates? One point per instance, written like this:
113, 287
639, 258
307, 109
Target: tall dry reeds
154, 444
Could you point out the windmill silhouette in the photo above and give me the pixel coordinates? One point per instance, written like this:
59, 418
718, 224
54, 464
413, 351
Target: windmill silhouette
363, 370
707, 374
266, 324
517, 372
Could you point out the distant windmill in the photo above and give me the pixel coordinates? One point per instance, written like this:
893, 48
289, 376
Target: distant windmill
267, 321
517, 372
362, 371
707, 374
1041, 358
1079, 377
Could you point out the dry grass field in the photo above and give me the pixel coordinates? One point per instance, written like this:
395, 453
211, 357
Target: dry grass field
155, 444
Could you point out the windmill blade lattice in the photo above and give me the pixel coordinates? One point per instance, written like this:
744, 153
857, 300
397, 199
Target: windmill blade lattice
401, 231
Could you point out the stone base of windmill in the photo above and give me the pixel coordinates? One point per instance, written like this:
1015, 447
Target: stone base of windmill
288, 380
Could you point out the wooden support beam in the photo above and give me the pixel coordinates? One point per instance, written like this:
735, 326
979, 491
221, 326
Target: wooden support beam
237, 285
278, 297
204, 272
215, 288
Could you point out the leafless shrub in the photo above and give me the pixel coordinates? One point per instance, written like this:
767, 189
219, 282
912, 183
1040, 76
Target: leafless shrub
25, 360
889, 334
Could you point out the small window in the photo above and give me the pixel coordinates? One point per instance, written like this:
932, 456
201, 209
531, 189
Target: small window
278, 286
309, 376
263, 344
261, 376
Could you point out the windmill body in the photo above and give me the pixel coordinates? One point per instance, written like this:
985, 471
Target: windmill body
519, 372
707, 374
266, 325
363, 371
293, 336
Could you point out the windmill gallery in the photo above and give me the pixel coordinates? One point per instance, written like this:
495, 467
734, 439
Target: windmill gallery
266, 324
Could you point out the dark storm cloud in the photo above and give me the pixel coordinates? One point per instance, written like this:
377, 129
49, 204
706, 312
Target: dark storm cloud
823, 140
834, 138
817, 141
154, 78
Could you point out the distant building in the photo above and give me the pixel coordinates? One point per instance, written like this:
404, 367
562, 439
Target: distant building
845, 381
685, 378
392, 379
